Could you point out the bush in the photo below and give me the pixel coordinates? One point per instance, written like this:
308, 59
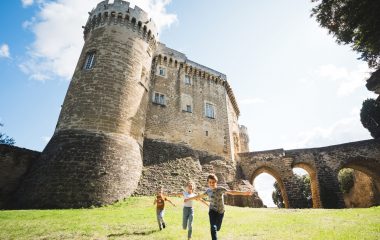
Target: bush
370, 116
346, 179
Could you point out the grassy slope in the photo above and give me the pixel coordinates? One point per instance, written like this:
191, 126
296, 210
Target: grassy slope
135, 219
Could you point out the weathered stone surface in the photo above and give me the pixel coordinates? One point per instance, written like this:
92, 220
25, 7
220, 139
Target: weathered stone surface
14, 163
94, 157
322, 164
172, 165
363, 194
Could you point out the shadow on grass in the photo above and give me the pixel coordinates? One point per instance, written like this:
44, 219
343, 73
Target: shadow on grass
141, 233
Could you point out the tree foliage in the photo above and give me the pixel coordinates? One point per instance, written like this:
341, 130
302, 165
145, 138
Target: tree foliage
304, 183
346, 179
370, 116
353, 22
5, 139
277, 197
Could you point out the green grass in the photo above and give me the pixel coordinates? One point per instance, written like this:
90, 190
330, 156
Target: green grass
135, 219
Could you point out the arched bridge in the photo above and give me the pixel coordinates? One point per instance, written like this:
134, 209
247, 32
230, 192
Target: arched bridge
323, 165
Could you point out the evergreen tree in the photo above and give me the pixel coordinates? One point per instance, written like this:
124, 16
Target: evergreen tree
4, 139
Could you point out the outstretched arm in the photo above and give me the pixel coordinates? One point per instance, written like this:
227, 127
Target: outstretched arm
203, 201
195, 197
236, 193
155, 200
176, 195
167, 199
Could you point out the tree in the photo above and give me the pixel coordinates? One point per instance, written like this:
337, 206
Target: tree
354, 22
370, 116
277, 197
4, 139
346, 179
304, 183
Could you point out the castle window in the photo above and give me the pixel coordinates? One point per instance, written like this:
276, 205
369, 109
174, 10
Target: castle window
188, 108
206, 133
162, 71
159, 98
187, 80
210, 110
89, 63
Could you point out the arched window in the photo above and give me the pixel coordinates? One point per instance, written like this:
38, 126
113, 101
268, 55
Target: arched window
90, 60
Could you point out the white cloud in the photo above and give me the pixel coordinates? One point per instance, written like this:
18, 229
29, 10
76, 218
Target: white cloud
345, 130
59, 36
251, 101
27, 3
4, 51
348, 80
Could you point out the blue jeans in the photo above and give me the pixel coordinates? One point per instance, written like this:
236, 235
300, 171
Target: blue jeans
216, 220
160, 217
187, 220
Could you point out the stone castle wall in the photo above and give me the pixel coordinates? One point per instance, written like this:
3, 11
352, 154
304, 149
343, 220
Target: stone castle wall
94, 156
14, 163
181, 118
171, 166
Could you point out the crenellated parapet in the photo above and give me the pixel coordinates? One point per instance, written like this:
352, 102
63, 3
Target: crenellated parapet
171, 58
120, 13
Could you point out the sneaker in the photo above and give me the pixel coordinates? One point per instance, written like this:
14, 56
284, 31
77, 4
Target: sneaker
163, 225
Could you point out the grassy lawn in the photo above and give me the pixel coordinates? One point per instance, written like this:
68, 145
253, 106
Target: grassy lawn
135, 219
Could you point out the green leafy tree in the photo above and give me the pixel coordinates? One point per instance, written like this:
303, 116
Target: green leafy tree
277, 197
370, 116
353, 22
346, 179
304, 183
4, 139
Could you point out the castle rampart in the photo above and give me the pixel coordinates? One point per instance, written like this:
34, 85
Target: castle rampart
95, 154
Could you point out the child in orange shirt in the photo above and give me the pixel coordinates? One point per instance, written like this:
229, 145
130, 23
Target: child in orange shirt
160, 209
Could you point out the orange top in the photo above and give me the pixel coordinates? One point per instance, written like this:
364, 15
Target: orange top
160, 199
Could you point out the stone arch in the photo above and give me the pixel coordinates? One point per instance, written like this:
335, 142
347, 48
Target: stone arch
370, 167
314, 185
277, 176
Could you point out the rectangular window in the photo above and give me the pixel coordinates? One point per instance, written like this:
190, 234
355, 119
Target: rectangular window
89, 63
210, 111
187, 80
188, 108
162, 71
159, 98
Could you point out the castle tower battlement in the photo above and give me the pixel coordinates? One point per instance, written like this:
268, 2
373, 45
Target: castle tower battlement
95, 155
169, 57
120, 13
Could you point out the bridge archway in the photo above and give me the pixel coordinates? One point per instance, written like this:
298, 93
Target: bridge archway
371, 169
314, 185
276, 175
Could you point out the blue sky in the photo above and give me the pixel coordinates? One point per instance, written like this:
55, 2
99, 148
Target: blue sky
295, 86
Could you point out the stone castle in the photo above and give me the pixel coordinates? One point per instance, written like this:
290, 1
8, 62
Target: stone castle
138, 115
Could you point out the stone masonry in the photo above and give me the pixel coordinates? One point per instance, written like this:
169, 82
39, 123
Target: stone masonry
14, 163
138, 115
322, 164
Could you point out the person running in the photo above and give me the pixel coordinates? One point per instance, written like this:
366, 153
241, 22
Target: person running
160, 208
216, 197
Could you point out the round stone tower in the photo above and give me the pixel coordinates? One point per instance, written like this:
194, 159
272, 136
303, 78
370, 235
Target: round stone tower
95, 154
